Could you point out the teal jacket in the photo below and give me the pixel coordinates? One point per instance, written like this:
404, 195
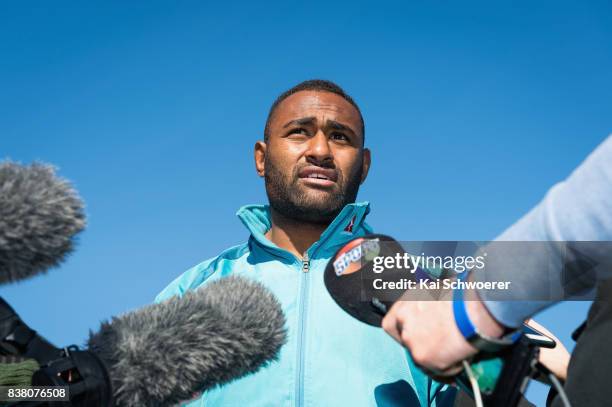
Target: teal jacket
330, 359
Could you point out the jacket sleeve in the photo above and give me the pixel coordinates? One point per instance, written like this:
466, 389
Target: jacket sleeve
576, 209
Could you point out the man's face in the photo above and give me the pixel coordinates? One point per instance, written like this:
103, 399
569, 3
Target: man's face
314, 160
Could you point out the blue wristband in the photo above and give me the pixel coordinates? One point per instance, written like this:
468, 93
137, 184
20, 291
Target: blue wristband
462, 318
470, 333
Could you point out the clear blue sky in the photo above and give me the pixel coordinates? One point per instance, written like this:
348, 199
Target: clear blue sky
472, 110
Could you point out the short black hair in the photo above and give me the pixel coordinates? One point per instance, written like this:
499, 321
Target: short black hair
316, 85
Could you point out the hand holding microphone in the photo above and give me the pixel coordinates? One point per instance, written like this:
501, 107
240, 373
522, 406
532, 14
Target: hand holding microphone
416, 318
427, 328
165, 353
40, 216
443, 331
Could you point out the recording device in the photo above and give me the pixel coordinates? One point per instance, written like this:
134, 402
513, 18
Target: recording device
538, 338
350, 277
156, 356
164, 353
40, 216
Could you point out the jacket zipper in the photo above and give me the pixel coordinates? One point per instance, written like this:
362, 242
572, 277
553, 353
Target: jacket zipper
303, 314
299, 390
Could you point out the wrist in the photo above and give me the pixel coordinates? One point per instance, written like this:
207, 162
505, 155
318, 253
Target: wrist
476, 324
481, 317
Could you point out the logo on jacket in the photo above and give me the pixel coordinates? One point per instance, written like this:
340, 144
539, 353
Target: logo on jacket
349, 227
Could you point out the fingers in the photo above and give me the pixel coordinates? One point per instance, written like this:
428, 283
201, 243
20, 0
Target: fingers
398, 328
555, 359
392, 326
426, 330
446, 375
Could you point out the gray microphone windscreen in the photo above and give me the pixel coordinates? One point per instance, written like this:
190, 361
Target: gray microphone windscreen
40, 214
165, 353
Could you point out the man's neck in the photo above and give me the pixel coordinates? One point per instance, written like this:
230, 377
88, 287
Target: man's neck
293, 235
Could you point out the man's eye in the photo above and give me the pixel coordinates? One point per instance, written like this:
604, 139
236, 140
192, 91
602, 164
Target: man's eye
339, 137
299, 130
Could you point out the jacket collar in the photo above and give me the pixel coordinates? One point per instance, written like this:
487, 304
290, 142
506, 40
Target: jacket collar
349, 223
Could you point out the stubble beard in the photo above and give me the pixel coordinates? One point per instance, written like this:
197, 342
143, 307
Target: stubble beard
294, 201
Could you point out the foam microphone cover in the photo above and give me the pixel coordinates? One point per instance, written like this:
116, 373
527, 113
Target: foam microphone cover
40, 214
165, 353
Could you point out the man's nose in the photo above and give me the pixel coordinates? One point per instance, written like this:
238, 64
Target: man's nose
319, 148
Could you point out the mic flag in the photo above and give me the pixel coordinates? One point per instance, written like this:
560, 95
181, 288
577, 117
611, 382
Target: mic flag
349, 273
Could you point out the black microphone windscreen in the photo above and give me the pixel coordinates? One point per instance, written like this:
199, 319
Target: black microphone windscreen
40, 213
165, 353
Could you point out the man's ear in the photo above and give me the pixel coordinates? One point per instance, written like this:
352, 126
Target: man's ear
367, 161
260, 158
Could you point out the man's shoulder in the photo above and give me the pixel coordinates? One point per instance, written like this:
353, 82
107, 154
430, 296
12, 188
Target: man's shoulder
201, 272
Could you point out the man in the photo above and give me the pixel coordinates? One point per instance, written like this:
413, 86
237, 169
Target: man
313, 161
579, 210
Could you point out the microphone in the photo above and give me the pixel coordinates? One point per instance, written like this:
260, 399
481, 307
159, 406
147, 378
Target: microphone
159, 355
349, 274
349, 278
166, 353
40, 214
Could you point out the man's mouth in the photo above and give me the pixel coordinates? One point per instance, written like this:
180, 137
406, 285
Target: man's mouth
318, 176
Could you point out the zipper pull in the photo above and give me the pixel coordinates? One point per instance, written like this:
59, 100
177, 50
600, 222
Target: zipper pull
305, 263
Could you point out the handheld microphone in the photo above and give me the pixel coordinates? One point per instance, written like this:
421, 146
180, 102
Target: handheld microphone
349, 278
40, 214
166, 353
347, 273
